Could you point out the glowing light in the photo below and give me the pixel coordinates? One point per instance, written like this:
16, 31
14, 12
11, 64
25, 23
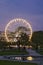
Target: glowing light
19, 20
18, 58
29, 58
30, 46
15, 40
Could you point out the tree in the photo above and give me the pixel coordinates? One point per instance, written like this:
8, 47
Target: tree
37, 39
22, 36
3, 45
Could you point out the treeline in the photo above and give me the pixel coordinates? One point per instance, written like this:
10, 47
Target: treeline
37, 38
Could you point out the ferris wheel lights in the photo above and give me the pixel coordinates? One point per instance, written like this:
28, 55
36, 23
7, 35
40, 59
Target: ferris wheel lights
18, 20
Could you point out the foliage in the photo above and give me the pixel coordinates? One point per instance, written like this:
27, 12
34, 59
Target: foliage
3, 44
24, 39
37, 37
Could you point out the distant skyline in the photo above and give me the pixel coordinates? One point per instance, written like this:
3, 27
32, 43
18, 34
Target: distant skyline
31, 10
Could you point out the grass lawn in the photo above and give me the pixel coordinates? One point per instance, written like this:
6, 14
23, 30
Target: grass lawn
15, 63
13, 52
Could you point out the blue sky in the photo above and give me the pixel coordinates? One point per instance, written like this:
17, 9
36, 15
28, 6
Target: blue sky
31, 10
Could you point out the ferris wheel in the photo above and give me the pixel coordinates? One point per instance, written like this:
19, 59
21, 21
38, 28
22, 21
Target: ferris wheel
19, 22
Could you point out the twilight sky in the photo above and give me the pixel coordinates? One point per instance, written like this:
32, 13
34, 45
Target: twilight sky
31, 10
